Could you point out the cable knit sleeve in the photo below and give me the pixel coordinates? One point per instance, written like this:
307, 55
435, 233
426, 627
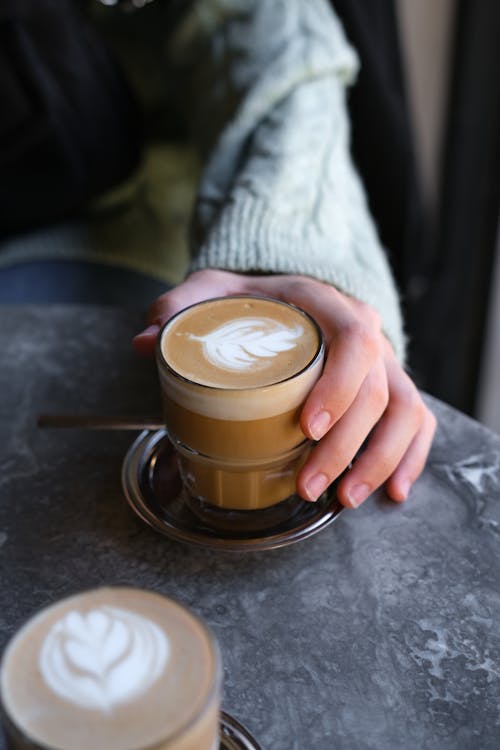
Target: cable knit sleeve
267, 84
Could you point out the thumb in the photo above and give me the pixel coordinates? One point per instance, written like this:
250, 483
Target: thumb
199, 286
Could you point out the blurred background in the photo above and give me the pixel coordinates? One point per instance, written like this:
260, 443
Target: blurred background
452, 70
430, 158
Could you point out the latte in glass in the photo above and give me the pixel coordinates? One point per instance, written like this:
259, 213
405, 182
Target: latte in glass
234, 374
112, 668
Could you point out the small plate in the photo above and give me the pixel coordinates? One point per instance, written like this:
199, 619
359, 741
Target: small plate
152, 487
233, 736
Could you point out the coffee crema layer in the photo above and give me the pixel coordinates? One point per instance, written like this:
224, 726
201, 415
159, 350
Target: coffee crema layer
116, 668
239, 342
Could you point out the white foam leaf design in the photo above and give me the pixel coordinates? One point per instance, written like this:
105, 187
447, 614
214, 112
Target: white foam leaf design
243, 343
104, 657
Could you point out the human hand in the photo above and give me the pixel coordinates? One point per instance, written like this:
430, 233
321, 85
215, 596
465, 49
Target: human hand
363, 398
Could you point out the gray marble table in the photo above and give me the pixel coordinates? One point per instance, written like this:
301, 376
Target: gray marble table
382, 631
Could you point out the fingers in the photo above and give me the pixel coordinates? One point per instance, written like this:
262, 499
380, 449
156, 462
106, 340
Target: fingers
364, 398
339, 446
144, 342
390, 441
413, 462
351, 365
197, 287
395, 452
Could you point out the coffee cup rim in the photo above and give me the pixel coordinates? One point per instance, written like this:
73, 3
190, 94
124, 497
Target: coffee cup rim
162, 362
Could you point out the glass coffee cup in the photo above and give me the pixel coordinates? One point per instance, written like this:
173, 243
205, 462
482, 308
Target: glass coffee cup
115, 668
234, 375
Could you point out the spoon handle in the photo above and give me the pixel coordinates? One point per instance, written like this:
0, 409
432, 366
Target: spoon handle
100, 422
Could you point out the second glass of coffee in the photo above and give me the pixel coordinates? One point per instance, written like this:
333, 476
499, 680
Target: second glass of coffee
234, 375
114, 668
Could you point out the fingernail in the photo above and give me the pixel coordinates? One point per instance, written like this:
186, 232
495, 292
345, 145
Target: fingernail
316, 486
320, 424
151, 330
357, 494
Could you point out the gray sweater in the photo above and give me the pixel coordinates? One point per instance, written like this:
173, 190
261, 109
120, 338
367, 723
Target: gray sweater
266, 82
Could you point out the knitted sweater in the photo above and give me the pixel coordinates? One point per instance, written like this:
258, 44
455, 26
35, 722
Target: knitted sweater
266, 84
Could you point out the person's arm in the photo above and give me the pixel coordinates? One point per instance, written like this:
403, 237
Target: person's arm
280, 196
264, 87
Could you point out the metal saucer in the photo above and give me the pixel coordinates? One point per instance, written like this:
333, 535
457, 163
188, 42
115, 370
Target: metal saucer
152, 488
233, 736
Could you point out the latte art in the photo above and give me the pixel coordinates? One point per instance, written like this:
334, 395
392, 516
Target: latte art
112, 668
104, 657
244, 343
234, 343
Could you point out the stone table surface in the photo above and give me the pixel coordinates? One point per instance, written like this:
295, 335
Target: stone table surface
382, 631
